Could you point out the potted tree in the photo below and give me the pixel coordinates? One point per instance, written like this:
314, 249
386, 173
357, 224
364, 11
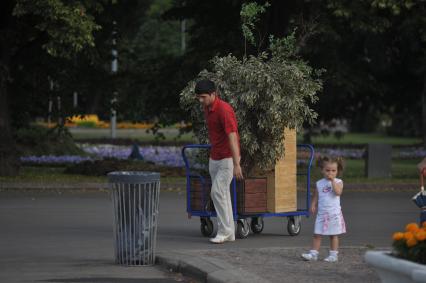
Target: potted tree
271, 93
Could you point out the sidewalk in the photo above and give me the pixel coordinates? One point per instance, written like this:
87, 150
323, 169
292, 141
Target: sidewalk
269, 265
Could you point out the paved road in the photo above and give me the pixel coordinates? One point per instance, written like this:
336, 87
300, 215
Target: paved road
55, 237
371, 219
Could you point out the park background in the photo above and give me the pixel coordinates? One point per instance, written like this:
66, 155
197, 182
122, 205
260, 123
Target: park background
61, 60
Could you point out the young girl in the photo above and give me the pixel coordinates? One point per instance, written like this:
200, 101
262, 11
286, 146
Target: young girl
326, 203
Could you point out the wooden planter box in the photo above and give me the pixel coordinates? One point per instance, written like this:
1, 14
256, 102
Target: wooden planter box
200, 195
251, 195
282, 181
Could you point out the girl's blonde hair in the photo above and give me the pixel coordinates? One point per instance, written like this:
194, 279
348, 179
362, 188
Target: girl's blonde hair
322, 160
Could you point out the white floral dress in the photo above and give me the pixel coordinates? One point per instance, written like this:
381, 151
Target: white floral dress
329, 219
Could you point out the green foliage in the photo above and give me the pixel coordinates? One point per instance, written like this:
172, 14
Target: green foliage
374, 53
67, 25
415, 254
250, 13
269, 92
158, 8
36, 140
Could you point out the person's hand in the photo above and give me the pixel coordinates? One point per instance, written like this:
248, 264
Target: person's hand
422, 167
313, 208
238, 173
423, 172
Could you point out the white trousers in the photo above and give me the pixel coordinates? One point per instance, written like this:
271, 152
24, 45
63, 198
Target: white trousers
221, 172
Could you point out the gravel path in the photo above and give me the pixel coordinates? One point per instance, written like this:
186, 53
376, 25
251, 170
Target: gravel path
286, 265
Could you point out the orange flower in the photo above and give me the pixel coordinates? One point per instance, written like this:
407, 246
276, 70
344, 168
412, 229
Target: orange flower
398, 236
424, 225
412, 227
411, 242
420, 235
408, 235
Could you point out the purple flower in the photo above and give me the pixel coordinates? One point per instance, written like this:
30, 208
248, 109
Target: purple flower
52, 159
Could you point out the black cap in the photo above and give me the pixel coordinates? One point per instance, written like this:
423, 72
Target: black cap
205, 86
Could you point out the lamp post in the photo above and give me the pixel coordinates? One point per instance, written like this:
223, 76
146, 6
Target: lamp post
182, 36
114, 69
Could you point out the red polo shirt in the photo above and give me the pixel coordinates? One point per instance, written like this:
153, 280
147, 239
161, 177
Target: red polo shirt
221, 121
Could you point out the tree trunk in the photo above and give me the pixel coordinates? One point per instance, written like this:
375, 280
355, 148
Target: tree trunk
9, 159
423, 122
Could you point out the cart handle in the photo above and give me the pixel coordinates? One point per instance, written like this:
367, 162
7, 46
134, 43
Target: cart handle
308, 174
185, 159
188, 171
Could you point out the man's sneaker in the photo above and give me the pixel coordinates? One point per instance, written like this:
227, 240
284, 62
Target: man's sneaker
331, 258
219, 239
311, 256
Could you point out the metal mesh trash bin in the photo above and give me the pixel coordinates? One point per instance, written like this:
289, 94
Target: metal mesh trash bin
135, 197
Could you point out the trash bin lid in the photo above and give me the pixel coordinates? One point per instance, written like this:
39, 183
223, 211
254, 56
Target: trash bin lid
133, 177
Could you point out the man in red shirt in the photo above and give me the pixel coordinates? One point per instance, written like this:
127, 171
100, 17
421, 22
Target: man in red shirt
225, 156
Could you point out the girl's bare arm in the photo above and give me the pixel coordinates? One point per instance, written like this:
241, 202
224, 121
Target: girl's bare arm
314, 201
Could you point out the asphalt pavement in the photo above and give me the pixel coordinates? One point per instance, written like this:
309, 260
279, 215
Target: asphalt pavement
66, 236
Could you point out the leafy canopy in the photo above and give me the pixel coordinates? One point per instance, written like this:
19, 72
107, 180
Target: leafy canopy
269, 92
68, 27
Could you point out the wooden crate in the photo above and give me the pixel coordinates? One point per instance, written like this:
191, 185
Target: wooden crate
200, 197
251, 196
282, 181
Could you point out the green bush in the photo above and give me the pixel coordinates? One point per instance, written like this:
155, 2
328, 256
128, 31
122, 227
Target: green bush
37, 140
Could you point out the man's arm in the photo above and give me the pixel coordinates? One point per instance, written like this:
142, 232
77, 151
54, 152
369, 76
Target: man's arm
422, 165
235, 150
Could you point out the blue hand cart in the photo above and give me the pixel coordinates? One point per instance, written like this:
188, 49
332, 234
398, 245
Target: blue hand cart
246, 222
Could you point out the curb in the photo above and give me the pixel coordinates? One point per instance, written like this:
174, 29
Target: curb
181, 187
206, 269
76, 187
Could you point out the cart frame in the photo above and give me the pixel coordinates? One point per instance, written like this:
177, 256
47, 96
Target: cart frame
242, 229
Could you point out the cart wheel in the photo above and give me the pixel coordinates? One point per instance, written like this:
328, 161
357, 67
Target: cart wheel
257, 225
293, 225
206, 227
243, 229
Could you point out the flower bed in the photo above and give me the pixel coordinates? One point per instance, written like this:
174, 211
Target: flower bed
411, 244
171, 155
407, 261
160, 155
53, 159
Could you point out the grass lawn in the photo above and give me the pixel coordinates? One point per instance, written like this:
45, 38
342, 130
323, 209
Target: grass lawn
361, 138
171, 135
44, 174
403, 171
